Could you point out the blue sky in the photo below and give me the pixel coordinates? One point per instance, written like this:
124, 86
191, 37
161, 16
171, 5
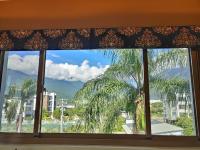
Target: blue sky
70, 65
72, 56
75, 56
78, 56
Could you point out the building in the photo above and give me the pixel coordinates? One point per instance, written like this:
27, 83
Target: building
181, 106
49, 104
29, 107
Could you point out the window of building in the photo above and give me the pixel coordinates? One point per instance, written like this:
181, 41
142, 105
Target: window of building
97, 91
18, 88
171, 95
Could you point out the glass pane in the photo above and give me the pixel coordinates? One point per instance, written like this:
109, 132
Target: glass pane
171, 98
18, 91
94, 91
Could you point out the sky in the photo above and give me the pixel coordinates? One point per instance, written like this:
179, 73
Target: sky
70, 65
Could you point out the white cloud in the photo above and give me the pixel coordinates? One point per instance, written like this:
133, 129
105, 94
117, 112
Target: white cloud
27, 64
61, 71
55, 56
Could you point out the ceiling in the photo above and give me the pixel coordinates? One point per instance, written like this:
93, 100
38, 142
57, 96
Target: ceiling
41, 14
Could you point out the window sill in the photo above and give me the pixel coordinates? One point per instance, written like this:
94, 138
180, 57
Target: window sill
100, 139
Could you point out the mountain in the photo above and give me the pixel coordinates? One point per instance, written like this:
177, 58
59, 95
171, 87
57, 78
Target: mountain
183, 73
63, 89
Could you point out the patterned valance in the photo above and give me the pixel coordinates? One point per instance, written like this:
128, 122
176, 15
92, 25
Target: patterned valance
96, 38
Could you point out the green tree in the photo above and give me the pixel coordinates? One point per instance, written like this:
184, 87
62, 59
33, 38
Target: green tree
57, 113
10, 110
45, 114
169, 86
185, 122
157, 109
10, 104
107, 95
27, 90
117, 90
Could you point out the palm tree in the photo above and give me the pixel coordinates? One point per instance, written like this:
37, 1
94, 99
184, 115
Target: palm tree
169, 86
10, 109
118, 89
121, 87
10, 104
26, 92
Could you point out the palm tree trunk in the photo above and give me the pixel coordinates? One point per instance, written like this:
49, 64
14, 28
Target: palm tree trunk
135, 129
20, 118
186, 107
19, 128
135, 122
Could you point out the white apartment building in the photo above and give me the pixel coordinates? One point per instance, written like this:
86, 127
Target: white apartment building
182, 105
49, 104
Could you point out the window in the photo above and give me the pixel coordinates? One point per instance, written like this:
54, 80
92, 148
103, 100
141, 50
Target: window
18, 90
171, 95
97, 91
102, 93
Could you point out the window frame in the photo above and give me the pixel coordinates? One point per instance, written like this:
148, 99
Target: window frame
1, 65
2, 57
110, 139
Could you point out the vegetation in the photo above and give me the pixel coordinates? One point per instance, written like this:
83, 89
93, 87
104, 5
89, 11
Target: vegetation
57, 113
185, 122
157, 109
99, 104
171, 86
45, 114
24, 93
10, 109
118, 89
119, 125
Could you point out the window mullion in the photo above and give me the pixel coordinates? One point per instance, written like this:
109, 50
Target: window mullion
1, 64
2, 54
195, 64
146, 93
39, 96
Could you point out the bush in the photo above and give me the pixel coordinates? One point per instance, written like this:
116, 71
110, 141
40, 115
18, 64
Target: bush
119, 124
72, 112
57, 113
157, 109
186, 123
45, 114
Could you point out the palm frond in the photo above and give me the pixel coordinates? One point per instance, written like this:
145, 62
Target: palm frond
10, 110
169, 59
170, 87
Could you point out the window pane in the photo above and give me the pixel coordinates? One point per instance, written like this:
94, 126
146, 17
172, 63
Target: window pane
171, 98
18, 91
94, 91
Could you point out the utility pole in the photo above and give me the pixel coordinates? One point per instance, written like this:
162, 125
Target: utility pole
61, 118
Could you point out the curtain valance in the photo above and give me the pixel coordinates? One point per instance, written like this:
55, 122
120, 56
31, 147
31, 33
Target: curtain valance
96, 38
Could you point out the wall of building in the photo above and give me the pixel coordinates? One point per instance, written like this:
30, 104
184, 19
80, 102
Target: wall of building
99, 13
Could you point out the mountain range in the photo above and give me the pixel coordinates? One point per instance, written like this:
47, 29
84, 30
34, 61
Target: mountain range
63, 89
67, 89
